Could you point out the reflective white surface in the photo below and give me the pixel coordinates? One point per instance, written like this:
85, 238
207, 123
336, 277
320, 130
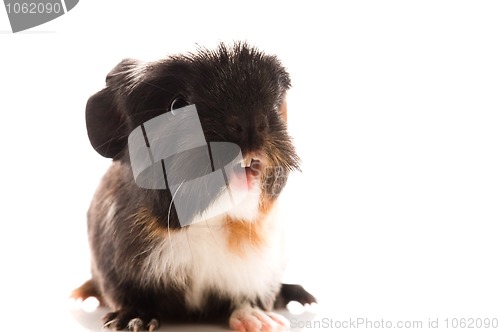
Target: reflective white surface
79, 319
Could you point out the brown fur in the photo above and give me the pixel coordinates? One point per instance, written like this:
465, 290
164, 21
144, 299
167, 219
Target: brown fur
284, 111
86, 290
242, 234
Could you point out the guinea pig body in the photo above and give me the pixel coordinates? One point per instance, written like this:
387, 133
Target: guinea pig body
146, 265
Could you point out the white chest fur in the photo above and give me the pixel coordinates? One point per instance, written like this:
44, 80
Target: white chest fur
199, 256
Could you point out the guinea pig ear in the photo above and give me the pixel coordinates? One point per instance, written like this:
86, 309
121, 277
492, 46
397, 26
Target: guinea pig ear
107, 123
283, 111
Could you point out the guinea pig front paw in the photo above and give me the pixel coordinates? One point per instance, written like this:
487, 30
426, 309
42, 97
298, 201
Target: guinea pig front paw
250, 319
130, 319
291, 292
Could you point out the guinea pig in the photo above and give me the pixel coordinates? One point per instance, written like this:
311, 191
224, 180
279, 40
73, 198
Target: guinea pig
147, 265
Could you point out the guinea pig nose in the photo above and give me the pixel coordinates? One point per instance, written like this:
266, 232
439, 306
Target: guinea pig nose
237, 126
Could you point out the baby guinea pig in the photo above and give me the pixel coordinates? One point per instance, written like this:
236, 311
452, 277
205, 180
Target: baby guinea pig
148, 266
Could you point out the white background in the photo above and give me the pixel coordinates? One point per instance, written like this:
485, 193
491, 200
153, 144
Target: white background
395, 111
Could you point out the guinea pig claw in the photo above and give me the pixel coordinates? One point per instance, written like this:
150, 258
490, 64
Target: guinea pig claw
135, 325
111, 324
153, 325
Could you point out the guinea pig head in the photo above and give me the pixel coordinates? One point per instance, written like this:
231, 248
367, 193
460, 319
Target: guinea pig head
239, 94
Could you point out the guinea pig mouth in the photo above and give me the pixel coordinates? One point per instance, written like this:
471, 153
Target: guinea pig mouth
251, 176
252, 166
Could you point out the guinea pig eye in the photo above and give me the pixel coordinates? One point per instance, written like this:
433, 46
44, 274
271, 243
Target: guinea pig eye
178, 102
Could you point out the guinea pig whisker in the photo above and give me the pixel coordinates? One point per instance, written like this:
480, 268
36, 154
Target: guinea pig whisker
114, 136
157, 86
168, 219
189, 244
150, 110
